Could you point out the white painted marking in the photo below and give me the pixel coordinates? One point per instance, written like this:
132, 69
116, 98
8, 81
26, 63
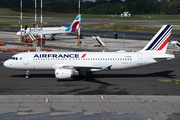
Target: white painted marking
46, 100
102, 97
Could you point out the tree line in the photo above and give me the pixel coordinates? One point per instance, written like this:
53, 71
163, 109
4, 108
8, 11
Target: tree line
169, 7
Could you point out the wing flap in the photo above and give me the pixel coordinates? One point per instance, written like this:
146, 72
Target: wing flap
58, 66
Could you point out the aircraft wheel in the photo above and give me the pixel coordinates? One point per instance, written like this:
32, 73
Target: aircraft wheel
27, 77
85, 76
27, 74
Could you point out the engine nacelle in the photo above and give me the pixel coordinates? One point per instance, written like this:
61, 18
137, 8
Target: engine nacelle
47, 36
63, 73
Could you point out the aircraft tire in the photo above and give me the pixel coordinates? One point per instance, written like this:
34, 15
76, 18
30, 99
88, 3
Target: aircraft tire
27, 77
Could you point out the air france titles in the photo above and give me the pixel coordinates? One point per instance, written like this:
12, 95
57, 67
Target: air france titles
56, 56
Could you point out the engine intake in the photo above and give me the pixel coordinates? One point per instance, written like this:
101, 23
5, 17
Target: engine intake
48, 36
63, 73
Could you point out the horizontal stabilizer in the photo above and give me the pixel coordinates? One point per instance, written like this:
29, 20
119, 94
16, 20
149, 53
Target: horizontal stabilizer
164, 56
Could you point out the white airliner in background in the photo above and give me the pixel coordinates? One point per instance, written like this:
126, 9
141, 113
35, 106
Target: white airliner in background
50, 32
67, 64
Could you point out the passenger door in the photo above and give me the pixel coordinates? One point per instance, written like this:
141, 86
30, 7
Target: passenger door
26, 59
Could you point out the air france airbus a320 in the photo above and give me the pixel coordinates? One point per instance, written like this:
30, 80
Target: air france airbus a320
67, 64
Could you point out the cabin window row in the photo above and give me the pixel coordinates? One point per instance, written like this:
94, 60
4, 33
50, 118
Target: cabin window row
83, 59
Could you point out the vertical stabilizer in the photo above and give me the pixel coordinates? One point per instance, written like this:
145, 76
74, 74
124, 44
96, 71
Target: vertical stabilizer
75, 24
160, 41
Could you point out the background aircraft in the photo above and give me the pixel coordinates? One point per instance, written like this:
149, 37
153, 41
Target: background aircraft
50, 32
67, 64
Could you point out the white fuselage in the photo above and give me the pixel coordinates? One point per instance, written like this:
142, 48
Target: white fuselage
56, 60
67, 64
45, 31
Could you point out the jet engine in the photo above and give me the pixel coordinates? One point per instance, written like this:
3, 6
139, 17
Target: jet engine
64, 73
48, 36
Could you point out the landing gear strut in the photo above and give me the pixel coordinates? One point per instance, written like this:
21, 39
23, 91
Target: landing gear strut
85, 75
27, 74
53, 38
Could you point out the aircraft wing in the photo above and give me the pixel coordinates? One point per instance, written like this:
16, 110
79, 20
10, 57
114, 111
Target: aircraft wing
58, 66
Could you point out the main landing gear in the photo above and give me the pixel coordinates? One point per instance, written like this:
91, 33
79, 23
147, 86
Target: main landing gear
27, 74
85, 75
53, 38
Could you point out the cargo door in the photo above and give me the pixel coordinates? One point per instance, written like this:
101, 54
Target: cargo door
139, 59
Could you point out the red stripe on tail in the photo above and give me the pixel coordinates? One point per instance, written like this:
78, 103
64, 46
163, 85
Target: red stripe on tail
164, 44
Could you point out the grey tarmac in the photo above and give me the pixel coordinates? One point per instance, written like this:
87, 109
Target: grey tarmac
146, 93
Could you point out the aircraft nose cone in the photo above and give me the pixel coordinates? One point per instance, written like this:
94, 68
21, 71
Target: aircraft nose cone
7, 64
17, 33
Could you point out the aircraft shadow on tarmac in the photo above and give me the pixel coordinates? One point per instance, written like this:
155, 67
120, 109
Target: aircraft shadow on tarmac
35, 76
166, 74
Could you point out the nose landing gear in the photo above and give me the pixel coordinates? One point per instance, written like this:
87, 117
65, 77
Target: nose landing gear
27, 74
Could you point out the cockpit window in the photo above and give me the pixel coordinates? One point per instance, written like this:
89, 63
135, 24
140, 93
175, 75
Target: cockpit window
14, 58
